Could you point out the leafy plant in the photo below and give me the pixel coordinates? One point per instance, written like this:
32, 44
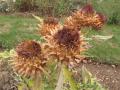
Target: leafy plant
26, 5
88, 81
54, 7
109, 7
63, 7
6, 5
69, 79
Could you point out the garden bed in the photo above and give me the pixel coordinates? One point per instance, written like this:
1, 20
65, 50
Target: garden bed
107, 75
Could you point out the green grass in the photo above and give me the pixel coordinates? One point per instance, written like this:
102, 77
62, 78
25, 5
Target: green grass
106, 51
16, 29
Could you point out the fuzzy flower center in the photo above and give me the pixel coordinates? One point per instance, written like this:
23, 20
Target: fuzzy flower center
68, 38
28, 49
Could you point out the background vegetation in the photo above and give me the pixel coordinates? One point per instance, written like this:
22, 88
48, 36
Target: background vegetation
111, 8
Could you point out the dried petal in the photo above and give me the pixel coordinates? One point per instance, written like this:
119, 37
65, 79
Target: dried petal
88, 9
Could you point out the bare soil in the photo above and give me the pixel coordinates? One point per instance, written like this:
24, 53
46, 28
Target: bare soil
107, 75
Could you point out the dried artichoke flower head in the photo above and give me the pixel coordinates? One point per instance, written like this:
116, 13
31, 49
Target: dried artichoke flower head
100, 20
87, 10
66, 41
67, 45
85, 17
67, 38
28, 49
50, 26
30, 61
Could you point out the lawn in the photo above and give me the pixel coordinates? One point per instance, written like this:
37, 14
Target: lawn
106, 51
16, 29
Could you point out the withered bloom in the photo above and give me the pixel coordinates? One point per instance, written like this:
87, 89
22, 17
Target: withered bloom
28, 49
67, 42
29, 61
88, 9
67, 45
67, 38
100, 20
50, 26
85, 17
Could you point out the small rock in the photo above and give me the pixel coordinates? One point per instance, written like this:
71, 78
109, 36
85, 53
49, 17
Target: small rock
113, 66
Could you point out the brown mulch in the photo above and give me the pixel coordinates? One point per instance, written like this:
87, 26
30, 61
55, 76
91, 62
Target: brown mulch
107, 75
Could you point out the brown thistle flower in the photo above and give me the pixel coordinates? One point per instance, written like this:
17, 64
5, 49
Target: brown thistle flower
67, 45
50, 26
88, 9
29, 61
67, 38
84, 18
28, 49
99, 20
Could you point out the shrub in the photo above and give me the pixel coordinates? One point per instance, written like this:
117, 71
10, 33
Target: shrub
54, 7
111, 8
26, 5
7, 5
63, 7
